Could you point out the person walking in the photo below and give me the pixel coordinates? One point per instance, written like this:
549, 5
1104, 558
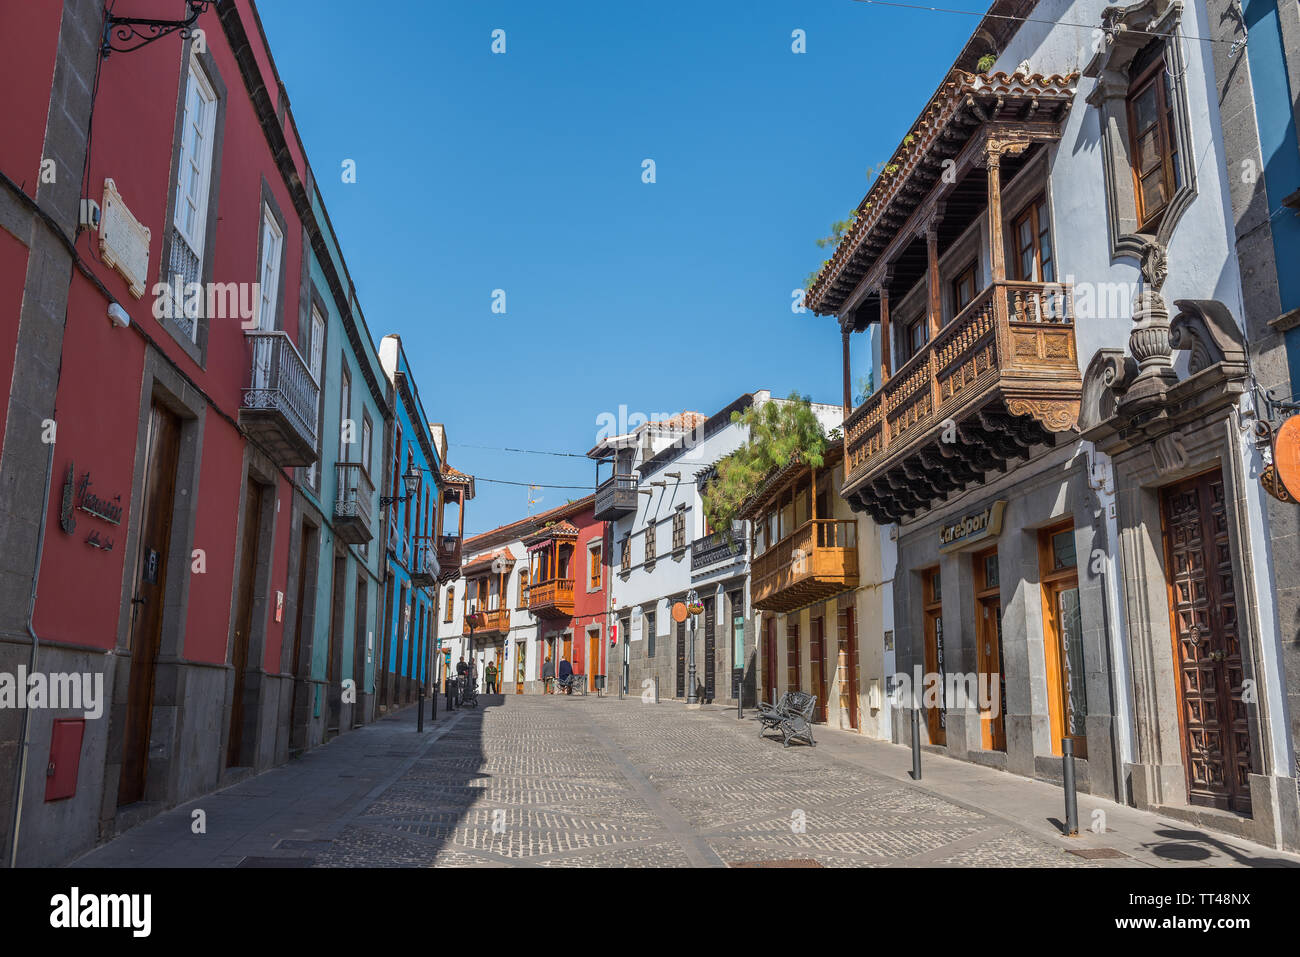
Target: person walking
491, 674
462, 674
566, 676
548, 676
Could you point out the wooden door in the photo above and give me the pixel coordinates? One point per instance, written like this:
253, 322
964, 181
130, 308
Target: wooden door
681, 659
769, 663
988, 637
359, 652
568, 649
593, 659
737, 602
848, 665
521, 666
150, 577
297, 665
710, 650
1207, 647
1067, 700
243, 616
386, 651
817, 663
936, 717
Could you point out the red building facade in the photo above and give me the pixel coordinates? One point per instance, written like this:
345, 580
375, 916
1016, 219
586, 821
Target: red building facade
150, 440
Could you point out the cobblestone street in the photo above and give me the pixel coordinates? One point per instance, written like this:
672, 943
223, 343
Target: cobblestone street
580, 782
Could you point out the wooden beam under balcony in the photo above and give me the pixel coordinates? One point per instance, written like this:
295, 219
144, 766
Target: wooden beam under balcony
817, 561
999, 379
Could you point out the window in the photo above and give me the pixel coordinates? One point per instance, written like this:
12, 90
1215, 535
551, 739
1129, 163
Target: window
316, 347
345, 417
449, 611
650, 542
523, 587
964, 288
650, 634
593, 565
915, 335
1153, 149
367, 444
1031, 235
626, 564
679, 529
194, 167
269, 278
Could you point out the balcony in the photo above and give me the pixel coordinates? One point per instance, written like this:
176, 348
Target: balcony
424, 562
449, 557
279, 408
818, 560
616, 497
714, 549
353, 504
494, 621
553, 599
999, 379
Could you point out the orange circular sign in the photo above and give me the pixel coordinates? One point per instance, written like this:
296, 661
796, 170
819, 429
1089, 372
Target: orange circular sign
1286, 455
679, 611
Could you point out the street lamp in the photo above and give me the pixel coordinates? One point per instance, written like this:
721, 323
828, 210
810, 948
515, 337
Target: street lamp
694, 607
412, 482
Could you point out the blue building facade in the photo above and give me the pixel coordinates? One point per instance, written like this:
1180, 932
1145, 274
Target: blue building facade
412, 526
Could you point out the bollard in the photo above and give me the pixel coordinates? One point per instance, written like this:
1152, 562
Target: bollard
1071, 799
656, 689
916, 743
419, 715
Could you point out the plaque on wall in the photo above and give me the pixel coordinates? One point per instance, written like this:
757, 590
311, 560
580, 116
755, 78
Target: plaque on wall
978, 527
123, 240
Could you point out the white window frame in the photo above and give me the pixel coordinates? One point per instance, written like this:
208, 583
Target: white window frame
197, 86
269, 270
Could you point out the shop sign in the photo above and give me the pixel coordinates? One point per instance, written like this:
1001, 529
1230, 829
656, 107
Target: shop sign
1286, 459
977, 527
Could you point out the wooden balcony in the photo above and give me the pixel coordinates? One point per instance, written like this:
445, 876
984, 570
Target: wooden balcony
553, 599
818, 560
449, 557
353, 504
999, 379
616, 497
424, 562
714, 549
279, 407
493, 621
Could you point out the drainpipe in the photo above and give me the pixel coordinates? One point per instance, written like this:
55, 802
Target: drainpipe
24, 746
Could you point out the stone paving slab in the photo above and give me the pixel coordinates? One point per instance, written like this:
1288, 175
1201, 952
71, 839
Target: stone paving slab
533, 781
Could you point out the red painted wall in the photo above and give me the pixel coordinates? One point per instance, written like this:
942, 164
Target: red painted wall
99, 397
588, 607
29, 40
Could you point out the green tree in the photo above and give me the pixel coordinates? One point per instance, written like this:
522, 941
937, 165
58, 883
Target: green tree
779, 432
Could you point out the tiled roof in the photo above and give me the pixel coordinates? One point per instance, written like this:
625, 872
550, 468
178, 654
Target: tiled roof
455, 475
487, 560
960, 93
526, 526
558, 530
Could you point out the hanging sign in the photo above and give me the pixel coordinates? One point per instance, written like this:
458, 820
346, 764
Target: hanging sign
1286, 456
110, 510
978, 527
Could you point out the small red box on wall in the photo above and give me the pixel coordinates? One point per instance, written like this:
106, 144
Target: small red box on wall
65, 758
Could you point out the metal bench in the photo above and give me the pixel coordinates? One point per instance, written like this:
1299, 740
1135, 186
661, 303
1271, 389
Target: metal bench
576, 684
792, 717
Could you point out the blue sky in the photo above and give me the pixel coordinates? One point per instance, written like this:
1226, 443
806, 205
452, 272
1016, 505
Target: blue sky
522, 171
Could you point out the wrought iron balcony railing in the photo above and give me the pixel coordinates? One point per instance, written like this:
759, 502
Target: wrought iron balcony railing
714, 548
279, 406
424, 561
354, 504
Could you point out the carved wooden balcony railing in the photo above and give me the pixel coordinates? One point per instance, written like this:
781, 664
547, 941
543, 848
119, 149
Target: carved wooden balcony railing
1002, 377
818, 560
279, 407
714, 548
492, 621
615, 497
449, 558
353, 504
553, 599
424, 562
